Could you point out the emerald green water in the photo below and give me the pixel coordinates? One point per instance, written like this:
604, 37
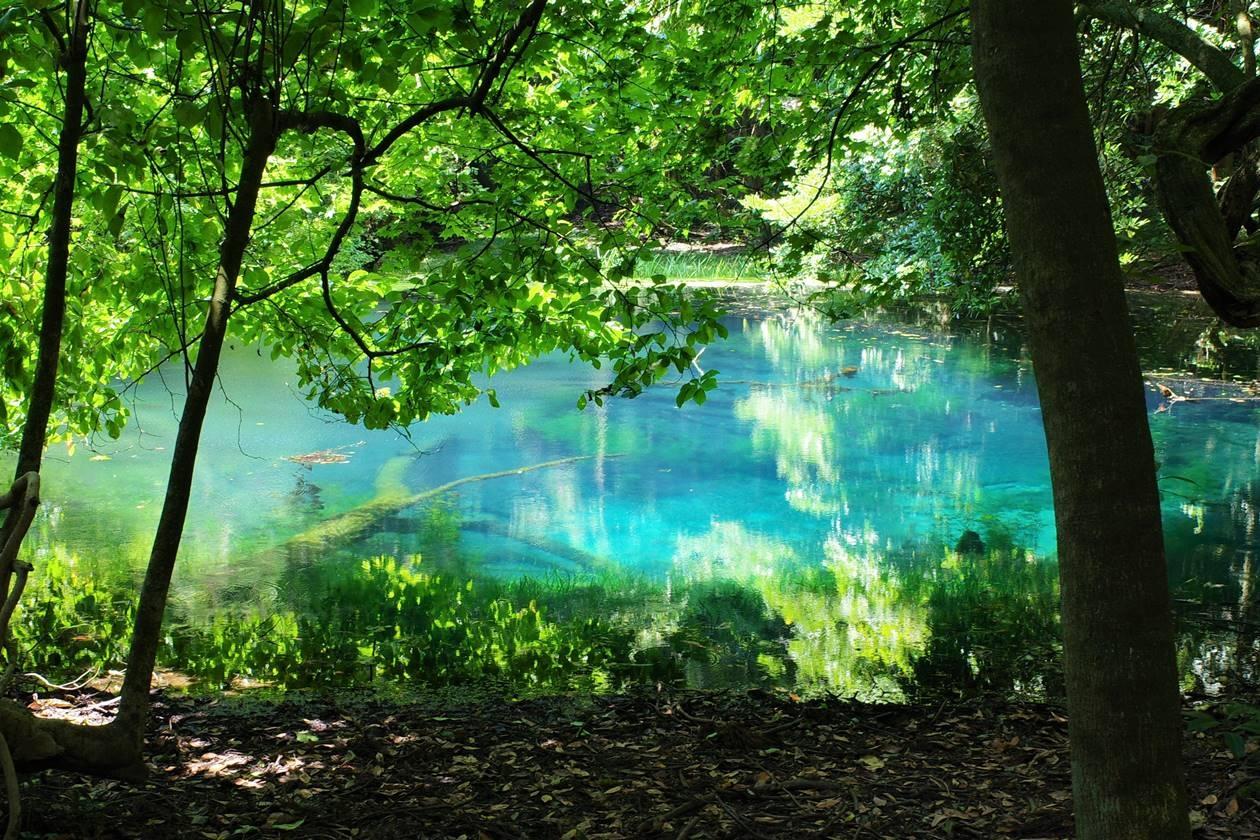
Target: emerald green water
795, 531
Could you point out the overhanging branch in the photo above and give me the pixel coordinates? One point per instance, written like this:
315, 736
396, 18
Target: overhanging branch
1173, 34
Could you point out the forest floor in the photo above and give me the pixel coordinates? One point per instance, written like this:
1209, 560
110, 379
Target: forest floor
683, 765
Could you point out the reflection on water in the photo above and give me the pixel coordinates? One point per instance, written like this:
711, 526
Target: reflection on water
800, 529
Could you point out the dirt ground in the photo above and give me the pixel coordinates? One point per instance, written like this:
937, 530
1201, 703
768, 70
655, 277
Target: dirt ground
683, 765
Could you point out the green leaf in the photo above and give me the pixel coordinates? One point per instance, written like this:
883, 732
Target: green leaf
214, 123
10, 141
187, 114
109, 201
116, 223
684, 393
153, 20
1237, 744
187, 40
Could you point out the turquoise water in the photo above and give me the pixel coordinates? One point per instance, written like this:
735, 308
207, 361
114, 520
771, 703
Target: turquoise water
826, 481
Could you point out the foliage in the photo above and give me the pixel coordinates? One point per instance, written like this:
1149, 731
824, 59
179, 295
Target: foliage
388, 620
857, 627
995, 625
530, 166
1236, 723
523, 271
897, 200
903, 216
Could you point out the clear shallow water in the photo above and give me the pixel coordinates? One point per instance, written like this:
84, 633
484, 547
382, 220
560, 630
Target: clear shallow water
794, 530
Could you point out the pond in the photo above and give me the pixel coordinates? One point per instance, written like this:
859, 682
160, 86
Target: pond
799, 530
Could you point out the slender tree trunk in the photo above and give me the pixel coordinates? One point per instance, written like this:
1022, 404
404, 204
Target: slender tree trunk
13, 573
157, 580
35, 431
43, 389
1117, 624
1246, 36
35, 741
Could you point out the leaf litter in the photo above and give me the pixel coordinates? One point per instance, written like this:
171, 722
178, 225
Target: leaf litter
646, 764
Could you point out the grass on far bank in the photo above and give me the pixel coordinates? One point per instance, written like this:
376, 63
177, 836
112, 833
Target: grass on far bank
694, 266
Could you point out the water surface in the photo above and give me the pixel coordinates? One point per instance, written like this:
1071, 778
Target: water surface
797, 530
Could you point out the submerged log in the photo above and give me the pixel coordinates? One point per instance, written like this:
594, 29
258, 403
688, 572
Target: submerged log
392, 498
559, 550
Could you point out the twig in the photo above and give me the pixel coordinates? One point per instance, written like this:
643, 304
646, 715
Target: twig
799, 784
654, 825
101, 705
748, 828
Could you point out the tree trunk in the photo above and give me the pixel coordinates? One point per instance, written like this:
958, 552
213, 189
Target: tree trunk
157, 580
44, 387
1121, 676
35, 430
40, 742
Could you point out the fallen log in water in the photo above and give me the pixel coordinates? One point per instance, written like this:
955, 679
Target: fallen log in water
391, 499
584, 560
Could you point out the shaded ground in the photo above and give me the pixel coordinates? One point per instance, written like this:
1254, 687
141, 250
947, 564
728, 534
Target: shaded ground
647, 765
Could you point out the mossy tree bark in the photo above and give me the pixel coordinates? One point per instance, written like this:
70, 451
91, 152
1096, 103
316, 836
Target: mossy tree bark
1118, 637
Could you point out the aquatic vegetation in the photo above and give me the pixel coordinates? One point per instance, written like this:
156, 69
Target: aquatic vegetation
798, 532
738, 609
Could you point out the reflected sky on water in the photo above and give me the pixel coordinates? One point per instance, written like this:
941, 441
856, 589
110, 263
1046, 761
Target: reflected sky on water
831, 474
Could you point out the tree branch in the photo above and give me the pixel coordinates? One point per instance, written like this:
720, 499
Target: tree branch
1174, 35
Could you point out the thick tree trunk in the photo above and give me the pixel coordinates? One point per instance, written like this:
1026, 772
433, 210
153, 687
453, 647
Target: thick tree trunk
157, 580
1118, 638
1191, 138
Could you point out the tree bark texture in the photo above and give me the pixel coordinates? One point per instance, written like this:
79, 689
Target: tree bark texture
1123, 702
1190, 139
157, 580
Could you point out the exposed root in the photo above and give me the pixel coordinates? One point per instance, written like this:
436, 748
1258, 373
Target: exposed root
74, 685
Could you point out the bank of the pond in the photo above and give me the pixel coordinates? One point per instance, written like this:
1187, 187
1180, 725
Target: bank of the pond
797, 532
647, 764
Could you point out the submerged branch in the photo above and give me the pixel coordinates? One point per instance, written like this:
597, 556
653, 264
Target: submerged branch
354, 523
